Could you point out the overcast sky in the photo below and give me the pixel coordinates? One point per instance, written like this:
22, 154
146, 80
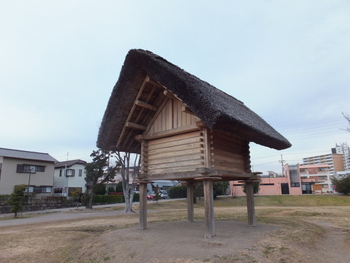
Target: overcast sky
288, 61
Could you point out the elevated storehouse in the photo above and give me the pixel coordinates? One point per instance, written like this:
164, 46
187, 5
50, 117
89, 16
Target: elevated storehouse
184, 128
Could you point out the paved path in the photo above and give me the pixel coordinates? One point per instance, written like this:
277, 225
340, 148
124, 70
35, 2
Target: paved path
58, 214
62, 214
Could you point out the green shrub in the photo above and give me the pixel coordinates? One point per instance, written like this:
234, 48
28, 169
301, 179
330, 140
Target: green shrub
119, 187
111, 189
108, 199
179, 191
136, 197
341, 185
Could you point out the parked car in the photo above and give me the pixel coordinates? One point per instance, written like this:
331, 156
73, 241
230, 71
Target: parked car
163, 194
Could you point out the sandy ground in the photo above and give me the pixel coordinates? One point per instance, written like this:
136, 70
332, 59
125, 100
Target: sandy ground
180, 241
94, 236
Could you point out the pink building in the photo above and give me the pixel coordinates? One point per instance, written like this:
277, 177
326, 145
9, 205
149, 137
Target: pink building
297, 180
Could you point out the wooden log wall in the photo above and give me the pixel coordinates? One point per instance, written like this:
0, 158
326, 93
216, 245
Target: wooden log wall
171, 117
178, 153
229, 153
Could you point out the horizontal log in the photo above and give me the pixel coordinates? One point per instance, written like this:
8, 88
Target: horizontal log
188, 168
135, 126
226, 137
216, 154
233, 169
172, 159
174, 143
231, 163
175, 131
215, 141
198, 162
173, 154
145, 105
178, 137
225, 148
175, 148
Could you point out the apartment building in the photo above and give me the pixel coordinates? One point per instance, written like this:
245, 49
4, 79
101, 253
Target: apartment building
334, 160
338, 159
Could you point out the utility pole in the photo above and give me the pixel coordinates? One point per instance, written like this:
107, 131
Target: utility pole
282, 163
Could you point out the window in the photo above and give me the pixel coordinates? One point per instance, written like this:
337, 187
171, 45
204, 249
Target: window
80, 172
322, 178
40, 168
60, 172
28, 168
322, 169
42, 189
70, 173
294, 176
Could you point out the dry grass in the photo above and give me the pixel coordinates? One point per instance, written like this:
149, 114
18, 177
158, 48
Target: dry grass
59, 241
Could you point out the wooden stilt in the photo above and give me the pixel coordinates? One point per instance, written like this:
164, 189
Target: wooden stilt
209, 208
250, 203
143, 206
190, 196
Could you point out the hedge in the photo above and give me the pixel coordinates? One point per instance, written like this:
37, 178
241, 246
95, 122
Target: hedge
179, 191
110, 199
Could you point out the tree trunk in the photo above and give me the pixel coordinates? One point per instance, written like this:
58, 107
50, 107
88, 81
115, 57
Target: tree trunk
129, 196
89, 201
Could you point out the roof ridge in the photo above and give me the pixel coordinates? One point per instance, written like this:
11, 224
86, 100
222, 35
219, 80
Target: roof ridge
22, 150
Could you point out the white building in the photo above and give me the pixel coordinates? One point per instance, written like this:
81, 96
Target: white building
69, 177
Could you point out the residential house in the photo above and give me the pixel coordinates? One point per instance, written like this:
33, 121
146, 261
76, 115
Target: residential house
69, 177
33, 169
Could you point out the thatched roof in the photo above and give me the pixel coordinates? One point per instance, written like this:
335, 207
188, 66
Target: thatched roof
217, 110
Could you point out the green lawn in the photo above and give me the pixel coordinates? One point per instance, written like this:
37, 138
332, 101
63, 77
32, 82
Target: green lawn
287, 200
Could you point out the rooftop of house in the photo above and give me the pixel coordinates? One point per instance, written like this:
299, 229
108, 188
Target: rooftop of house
26, 155
69, 163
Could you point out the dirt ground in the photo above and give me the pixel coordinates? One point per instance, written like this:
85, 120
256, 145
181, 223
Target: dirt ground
296, 234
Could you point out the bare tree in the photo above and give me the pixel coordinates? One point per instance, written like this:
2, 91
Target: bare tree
347, 117
128, 172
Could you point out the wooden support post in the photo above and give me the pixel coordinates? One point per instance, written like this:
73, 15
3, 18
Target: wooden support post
190, 196
143, 205
250, 203
209, 208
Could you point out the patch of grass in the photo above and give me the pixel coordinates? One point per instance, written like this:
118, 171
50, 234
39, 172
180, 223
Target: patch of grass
285, 200
268, 250
133, 254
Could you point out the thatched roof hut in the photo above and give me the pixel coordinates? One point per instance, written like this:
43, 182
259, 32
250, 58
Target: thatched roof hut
184, 128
